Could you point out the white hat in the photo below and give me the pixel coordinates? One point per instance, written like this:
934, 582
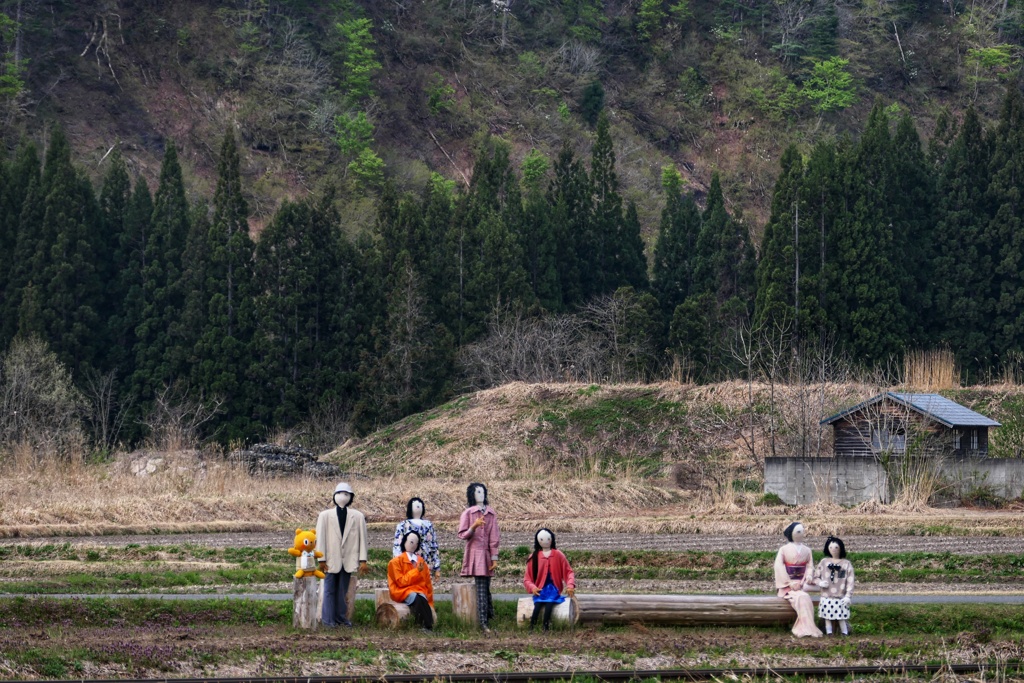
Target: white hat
343, 487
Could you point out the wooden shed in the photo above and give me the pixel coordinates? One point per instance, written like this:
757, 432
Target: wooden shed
894, 423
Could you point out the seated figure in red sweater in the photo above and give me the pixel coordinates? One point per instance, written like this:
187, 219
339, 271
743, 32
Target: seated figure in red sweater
549, 578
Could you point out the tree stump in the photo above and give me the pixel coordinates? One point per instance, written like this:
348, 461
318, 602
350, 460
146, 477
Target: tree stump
464, 603
564, 613
391, 614
305, 614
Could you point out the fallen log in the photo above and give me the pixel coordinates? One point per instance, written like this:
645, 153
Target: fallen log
684, 610
391, 614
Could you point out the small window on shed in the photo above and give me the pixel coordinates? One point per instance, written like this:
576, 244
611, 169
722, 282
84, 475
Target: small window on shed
974, 439
956, 439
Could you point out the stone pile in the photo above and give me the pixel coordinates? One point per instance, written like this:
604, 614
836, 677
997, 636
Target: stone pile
273, 460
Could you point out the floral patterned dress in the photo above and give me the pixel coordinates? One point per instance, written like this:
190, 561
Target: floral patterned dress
428, 541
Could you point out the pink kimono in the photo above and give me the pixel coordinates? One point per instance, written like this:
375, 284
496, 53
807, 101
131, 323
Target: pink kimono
481, 543
794, 563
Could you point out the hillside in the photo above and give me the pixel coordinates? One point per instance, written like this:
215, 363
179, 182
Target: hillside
703, 86
710, 438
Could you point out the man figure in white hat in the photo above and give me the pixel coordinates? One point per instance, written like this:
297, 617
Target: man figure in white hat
341, 537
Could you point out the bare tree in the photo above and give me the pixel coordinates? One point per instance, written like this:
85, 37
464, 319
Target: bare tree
177, 417
107, 411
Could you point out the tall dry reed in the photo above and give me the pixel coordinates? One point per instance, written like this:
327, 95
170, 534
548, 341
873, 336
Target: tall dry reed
931, 370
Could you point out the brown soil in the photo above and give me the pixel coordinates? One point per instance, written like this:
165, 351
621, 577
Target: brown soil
262, 651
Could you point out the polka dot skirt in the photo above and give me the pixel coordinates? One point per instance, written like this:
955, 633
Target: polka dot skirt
833, 609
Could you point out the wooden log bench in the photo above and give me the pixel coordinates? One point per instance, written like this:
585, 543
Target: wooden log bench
391, 614
564, 613
683, 610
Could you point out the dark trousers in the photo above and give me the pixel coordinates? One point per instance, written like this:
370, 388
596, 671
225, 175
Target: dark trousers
421, 612
335, 612
484, 606
547, 608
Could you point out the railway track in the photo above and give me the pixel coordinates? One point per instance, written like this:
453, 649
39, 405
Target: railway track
617, 676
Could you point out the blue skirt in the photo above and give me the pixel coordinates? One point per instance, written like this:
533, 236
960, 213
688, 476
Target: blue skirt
549, 593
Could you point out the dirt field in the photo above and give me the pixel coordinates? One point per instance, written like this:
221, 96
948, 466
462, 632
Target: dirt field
187, 651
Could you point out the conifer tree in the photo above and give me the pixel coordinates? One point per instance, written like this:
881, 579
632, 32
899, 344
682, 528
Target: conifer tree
540, 241
964, 263
224, 347
677, 236
1005, 233
821, 202
865, 301
777, 287
707, 255
18, 175
69, 276
607, 247
298, 285
114, 200
570, 201
159, 350
131, 257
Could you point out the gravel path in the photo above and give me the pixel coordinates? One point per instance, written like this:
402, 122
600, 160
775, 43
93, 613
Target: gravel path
959, 545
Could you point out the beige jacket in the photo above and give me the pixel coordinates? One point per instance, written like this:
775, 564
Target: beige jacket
338, 554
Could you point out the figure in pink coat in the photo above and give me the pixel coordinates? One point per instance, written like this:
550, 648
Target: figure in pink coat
478, 527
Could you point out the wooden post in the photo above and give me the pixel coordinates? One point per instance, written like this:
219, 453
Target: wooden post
564, 613
305, 614
684, 610
464, 603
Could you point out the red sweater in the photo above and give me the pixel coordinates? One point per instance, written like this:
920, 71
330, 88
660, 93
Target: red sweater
561, 573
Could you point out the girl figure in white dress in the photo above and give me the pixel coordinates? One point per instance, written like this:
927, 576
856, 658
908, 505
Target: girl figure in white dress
415, 510
835, 577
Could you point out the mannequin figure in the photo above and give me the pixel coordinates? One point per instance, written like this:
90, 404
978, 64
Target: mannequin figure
794, 571
548, 575
409, 581
835, 577
415, 511
341, 537
478, 527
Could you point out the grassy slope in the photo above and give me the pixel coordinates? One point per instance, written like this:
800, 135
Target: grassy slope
573, 430
702, 98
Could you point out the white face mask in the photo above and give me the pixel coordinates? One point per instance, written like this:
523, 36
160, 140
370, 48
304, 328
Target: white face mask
833, 550
417, 510
412, 544
341, 499
798, 533
479, 495
544, 538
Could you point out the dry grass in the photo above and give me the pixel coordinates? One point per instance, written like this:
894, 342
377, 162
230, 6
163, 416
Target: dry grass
934, 370
491, 437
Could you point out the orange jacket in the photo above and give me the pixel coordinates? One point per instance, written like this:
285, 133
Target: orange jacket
404, 578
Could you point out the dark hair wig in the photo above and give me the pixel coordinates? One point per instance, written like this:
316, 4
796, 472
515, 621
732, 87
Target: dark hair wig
537, 549
842, 548
408, 507
788, 533
407, 534
470, 501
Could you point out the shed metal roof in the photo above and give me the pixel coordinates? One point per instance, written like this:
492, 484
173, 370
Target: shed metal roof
935, 406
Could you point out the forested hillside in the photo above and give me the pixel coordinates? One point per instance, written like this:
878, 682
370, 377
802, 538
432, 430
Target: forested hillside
236, 218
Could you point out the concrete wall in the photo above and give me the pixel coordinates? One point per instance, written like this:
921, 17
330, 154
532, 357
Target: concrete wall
852, 480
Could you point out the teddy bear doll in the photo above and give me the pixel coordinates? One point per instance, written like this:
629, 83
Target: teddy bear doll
305, 554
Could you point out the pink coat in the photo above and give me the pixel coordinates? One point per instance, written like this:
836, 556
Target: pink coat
481, 543
558, 566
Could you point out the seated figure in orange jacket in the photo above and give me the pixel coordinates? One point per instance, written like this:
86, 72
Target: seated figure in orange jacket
409, 581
